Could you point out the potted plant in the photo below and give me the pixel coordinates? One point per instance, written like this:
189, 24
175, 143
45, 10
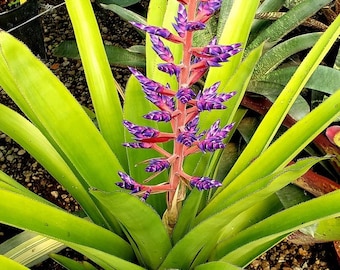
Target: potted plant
20, 18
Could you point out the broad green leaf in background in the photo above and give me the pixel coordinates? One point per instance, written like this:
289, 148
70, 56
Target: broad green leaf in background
116, 56
288, 22
162, 20
266, 6
156, 13
272, 90
126, 14
223, 16
318, 81
122, 3
272, 58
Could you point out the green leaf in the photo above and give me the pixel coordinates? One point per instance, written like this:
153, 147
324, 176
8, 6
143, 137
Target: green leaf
288, 145
68, 129
187, 215
126, 14
337, 61
141, 222
217, 266
122, 3
241, 13
25, 213
275, 56
117, 56
105, 260
241, 249
223, 16
238, 83
190, 246
292, 195
203, 37
273, 119
318, 81
72, 264
9, 264
258, 25
322, 231
272, 90
102, 88
288, 22
31, 139
29, 249
163, 20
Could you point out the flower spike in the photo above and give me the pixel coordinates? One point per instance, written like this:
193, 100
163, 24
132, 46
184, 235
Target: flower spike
181, 106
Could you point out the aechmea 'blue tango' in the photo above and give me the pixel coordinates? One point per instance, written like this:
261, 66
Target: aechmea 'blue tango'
180, 107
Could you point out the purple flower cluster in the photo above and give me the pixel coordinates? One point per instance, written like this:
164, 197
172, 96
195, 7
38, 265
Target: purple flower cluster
181, 107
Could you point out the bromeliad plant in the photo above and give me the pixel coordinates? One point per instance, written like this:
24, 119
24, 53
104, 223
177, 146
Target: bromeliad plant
229, 216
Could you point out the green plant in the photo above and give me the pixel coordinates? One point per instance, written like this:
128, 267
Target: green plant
226, 228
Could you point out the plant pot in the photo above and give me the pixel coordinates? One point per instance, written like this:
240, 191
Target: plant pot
30, 33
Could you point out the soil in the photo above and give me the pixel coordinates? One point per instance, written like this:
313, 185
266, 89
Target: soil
17, 163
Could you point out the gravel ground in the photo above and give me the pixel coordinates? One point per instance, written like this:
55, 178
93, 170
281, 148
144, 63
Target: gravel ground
20, 165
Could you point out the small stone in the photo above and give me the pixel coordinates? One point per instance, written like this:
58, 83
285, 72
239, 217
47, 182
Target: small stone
71, 72
10, 158
21, 152
303, 252
55, 194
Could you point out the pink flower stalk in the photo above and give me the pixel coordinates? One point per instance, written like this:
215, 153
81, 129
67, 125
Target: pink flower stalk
181, 107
